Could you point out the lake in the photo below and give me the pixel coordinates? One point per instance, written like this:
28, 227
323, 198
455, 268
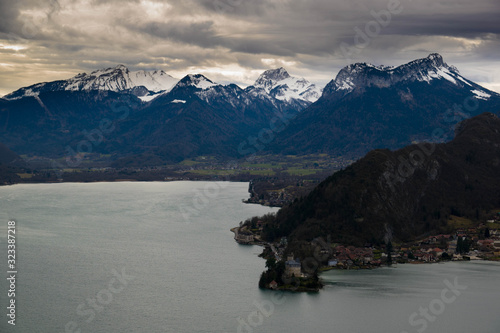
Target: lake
159, 257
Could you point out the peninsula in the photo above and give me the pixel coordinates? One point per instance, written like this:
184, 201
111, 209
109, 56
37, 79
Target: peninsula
422, 203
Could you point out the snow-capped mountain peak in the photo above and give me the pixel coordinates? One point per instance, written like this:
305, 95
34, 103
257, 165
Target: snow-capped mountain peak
115, 79
196, 80
436, 59
279, 84
429, 69
121, 78
271, 77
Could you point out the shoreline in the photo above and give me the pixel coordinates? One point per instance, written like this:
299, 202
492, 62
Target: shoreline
340, 257
126, 181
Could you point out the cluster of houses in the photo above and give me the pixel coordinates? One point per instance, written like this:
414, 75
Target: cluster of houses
431, 249
348, 256
489, 248
464, 244
478, 245
481, 242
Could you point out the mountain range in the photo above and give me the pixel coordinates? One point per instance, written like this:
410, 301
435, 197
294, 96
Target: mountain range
369, 107
140, 118
167, 120
148, 85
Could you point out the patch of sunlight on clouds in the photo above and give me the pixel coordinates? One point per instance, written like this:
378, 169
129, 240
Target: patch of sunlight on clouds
13, 47
276, 62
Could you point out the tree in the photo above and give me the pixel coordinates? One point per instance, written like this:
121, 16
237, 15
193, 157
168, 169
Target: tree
466, 247
262, 280
389, 255
460, 245
487, 233
265, 278
463, 246
280, 271
271, 264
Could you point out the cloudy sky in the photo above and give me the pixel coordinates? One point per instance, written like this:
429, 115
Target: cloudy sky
235, 40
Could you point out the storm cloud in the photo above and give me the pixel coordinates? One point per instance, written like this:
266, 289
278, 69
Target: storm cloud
235, 40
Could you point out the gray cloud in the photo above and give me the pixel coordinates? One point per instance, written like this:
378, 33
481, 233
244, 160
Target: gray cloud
192, 33
461, 25
59, 38
8, 16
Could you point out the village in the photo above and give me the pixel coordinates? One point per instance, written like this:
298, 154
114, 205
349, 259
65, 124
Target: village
481, 242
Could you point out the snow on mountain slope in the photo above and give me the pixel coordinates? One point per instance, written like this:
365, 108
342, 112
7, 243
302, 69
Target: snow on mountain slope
481, 94
154, 81
275, 86
149, 97
279, 84
115, 79
120, 78
428, 69
195, 80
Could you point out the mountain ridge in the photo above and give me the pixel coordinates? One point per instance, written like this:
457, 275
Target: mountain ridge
115, 79
281, 85
426, 69
156, 83
368, 107
191, 116
197, 116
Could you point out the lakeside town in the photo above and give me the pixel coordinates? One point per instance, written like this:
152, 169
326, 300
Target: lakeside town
479, 242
